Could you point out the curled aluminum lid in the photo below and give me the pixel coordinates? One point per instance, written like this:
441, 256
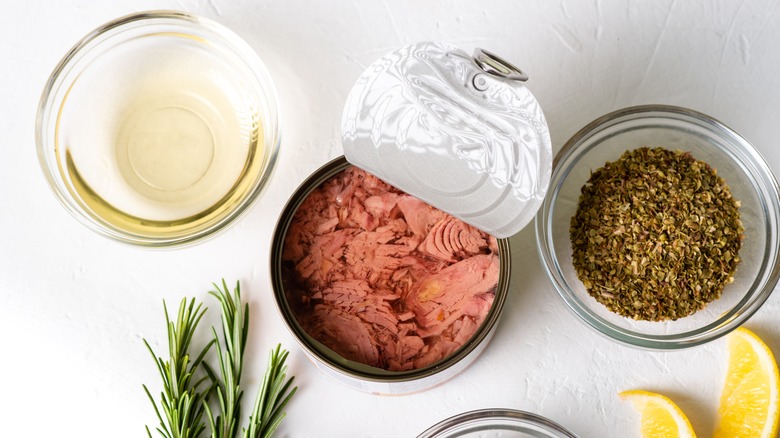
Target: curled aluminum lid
461, 133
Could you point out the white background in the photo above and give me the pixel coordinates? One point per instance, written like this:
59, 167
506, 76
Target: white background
74, 306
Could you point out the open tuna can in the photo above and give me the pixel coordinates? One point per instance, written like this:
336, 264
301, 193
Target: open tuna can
391, 265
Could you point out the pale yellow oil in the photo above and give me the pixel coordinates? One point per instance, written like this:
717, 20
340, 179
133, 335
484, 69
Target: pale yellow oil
186, 149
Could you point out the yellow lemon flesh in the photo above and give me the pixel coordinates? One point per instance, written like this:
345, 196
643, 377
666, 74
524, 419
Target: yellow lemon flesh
749, 402
661, 418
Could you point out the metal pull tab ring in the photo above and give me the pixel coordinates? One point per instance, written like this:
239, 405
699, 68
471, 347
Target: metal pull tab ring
496, 66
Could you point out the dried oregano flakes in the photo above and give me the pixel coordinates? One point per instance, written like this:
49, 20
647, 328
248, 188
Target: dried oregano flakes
656, 235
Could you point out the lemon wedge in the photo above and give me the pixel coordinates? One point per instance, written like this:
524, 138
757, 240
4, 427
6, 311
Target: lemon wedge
661, 418
749, 402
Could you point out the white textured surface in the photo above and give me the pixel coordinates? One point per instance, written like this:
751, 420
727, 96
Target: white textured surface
75, 306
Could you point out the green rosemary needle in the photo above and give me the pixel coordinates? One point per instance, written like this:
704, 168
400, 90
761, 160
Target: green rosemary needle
273, 394
235, 326
272, 397
182, 400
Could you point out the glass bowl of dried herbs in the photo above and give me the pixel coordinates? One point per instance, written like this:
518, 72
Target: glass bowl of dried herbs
661, 227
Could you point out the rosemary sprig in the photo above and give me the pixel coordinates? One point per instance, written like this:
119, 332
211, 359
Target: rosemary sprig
272, 397
235, 326
182, 401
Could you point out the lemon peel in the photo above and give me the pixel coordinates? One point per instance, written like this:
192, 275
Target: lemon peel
661, 417
749, 401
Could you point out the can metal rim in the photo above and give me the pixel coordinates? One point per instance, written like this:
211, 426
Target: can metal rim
330, 359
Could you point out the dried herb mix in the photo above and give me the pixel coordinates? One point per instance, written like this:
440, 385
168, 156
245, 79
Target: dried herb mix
656, 235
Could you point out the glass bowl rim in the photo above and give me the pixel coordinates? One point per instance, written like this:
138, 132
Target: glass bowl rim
48, 105
727, 322
518, 417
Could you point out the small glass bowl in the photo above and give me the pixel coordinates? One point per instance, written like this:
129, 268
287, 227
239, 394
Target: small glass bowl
746, 173
504, 423
158, 128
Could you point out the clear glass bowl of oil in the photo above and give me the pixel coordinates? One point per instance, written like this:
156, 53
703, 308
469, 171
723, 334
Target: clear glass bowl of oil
158, 128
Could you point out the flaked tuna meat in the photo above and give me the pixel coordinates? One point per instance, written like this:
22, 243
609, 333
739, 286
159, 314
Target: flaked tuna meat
346, 334
450, 239
419, 215
384, 279
457, 290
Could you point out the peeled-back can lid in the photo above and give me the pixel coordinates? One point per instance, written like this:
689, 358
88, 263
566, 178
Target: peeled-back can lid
460, 132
